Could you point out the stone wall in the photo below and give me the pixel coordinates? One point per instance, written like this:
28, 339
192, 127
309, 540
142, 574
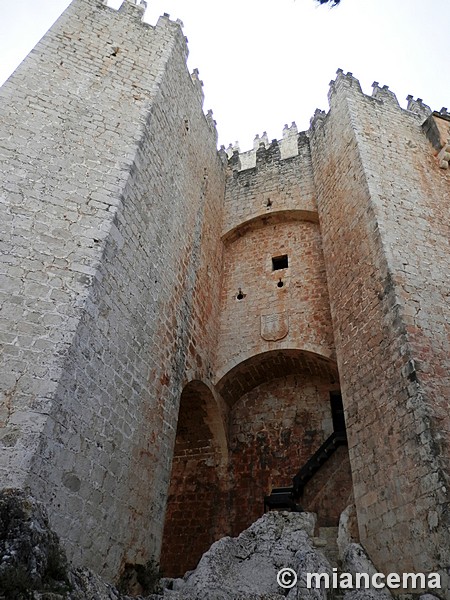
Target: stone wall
271, 185
274, 352
274, 429
110, 188
158, 306
197, 505
381, 200
269, 213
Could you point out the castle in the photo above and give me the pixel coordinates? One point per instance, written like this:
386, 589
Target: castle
178, 323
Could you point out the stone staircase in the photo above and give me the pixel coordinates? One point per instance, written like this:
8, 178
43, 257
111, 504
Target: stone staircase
326, 542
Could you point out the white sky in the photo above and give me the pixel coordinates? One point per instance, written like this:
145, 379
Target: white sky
265, 63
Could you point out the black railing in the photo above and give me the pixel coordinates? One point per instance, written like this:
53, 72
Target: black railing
310, 468
287, 497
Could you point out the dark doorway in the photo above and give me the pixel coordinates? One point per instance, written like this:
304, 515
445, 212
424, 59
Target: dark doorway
337, 411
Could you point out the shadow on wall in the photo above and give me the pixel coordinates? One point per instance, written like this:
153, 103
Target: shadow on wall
279, 414
196, 511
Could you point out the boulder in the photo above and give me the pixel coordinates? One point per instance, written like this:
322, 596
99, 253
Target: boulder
364, 594
33, 564
355, 560
309, 560
348, 529
246, 567
30, 555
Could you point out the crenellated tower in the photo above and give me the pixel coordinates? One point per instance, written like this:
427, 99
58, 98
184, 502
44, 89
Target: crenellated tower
180, 323
383, 199
111, 195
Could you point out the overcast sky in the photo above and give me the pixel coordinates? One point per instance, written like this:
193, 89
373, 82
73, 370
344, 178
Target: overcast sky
265, 63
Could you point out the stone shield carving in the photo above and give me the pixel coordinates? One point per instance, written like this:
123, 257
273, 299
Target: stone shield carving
274, 327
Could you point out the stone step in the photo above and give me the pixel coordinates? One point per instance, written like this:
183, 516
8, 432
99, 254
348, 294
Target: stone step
329, 533
326, 542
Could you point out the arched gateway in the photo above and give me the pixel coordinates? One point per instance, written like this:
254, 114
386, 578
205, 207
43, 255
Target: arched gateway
277, 412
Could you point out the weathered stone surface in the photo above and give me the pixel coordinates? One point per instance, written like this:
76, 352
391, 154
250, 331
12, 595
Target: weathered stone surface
380, 197
30, 554
111, 198
133, 274
242, 568
355, 560
348, 529
309, 560
366, 594
247, 566
33, 562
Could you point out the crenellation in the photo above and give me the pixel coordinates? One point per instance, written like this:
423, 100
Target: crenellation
212, 123
198, 85
418, 107
285, 148
223, 154
256, 142
139, 4
289, 143
235, 160
134, 8
384, 94
342, 80
317, 119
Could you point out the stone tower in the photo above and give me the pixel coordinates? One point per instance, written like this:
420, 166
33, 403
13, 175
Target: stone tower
383, 196
112, 195
177, 322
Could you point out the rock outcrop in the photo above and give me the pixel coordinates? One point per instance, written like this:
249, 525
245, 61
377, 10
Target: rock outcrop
348, 529
33, 565
30, 555
246, 567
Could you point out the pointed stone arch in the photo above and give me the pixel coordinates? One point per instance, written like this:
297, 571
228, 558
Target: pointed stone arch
195, 515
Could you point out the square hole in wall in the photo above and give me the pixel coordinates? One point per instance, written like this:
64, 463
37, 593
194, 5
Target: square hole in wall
280, 262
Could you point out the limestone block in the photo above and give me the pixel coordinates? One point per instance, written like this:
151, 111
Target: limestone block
348, 529
247, 566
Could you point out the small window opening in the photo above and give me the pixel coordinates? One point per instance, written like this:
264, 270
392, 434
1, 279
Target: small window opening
280, 283
240, 295
280, 262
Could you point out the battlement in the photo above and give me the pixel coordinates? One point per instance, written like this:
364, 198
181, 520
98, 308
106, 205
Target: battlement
139, 4
347, 81
288, 145
198, 85
169, 319
262, 151
137, 9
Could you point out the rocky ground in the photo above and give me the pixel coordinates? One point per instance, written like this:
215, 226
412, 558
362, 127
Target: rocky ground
33, 565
